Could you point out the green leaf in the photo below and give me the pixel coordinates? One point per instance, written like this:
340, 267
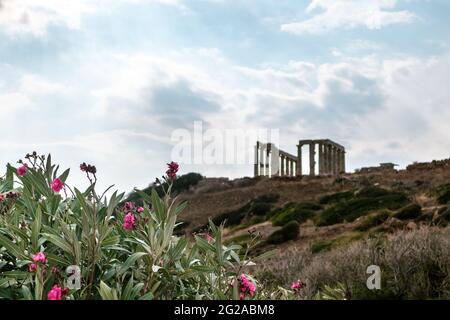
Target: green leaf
106, 292
26, 293
207, 269
64, 175
204, 245
147, 296
12, 248
59, 242
130, 261
126, 294
36, 228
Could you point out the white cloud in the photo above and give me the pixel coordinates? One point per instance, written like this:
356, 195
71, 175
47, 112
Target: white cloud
35, 16
37, 85
348, 14
134, 101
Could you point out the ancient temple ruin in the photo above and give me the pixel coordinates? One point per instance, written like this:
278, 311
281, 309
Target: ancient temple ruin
270, 161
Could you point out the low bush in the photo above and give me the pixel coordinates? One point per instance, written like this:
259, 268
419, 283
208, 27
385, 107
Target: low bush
293, 214
321, 245
260, 208
289, 231
364, 201
373, 221
267, 198
299, 212
411, 211
336, 197
443, 193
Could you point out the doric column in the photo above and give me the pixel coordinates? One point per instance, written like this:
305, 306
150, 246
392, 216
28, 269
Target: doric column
333, 161
312, 161
343, 161
261, 159
299, 162
338, 161
328, 158
256, 167
282, 166
291, 168
321, 158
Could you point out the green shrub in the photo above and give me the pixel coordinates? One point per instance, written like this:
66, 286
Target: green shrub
443, 193
256, 219
360, 204
321, 245
336, 197
309, 206
260, 208
411, 211
231, 218
290, 231
299, 212
267, 198
293, 214
373, 221
372, 192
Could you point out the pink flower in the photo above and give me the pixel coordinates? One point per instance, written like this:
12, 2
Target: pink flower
296, 285
57, 185
173, 169
209, 238
32, 267
21, 171
241, 296
140, 210
2, 197
40, 257
129, 221
247, 286
128, 206
55, 293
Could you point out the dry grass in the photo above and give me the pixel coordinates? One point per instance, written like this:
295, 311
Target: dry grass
415, 265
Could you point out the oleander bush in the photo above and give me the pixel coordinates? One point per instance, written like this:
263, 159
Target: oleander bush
59, 242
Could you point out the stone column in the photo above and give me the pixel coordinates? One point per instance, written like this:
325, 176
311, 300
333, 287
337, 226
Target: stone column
299, 162
312, 161
291, 168
261, 159
332, 161
256, 167
321, 158
328, 159
343, 161
338, 161
282, 166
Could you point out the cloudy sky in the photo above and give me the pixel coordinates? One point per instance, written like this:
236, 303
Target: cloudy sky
107, 81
